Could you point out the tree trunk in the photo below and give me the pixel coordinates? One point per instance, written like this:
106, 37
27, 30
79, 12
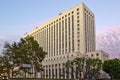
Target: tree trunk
88, 76
35, 72
111, 76
25, 74
80, 76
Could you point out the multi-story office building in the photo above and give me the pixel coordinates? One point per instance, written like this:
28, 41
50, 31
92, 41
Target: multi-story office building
66, 36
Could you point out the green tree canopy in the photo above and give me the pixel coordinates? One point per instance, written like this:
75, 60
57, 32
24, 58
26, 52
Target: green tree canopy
93, 66
31, 52
112, 67
87, 66
26, 51
80, 65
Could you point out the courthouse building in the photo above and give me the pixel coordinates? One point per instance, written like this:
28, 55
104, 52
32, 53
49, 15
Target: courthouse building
68, 35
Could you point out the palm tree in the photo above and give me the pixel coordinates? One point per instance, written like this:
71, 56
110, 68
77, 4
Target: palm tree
93, 66
79, 63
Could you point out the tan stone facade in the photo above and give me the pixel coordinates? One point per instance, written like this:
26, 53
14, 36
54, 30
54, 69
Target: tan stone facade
98, 54
66, 36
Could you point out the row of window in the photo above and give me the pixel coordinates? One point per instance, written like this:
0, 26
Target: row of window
92, 55
89, 33
57, 58
59, 39
78, 30
56, 34
87, 11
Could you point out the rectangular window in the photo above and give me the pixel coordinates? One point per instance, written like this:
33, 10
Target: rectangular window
62, 36
72, 33
59, 38
69, 32
65, 35
77, 9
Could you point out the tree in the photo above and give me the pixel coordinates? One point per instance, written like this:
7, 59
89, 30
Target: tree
93, 66
79, 63
4, 66
30, 48
26, 51
10, 54
112, 67
31, 53
86, 66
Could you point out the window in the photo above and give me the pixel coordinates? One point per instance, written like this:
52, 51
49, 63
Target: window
55, 65
68, 13
97, 54
72, 55
91, 55
73, 32
78, 28
72, 12
77, 9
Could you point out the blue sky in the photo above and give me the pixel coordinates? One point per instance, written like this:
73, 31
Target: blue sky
20, 16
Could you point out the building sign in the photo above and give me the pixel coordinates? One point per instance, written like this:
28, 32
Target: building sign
26, 65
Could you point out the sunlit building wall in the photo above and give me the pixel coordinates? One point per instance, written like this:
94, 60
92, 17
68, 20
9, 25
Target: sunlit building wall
98, 54
64, 37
